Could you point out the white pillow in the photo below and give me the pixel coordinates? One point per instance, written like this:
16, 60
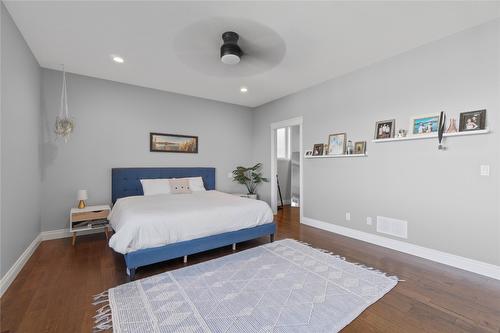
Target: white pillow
155, 186
196, 184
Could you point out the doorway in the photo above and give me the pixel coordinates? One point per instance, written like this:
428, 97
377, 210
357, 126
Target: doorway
286, 165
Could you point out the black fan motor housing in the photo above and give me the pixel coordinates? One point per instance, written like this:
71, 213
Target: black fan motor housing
230, 47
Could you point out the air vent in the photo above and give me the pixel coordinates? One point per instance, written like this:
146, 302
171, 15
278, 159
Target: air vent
394, 227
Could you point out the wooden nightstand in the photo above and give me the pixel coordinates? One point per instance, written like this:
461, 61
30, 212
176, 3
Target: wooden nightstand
89, 218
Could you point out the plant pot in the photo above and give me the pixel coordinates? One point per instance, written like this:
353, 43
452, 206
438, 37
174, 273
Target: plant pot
251, 196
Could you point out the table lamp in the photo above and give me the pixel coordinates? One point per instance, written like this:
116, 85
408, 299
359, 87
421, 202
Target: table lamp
82, 196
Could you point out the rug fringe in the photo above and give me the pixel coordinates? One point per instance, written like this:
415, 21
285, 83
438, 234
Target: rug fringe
392, 277
103, 320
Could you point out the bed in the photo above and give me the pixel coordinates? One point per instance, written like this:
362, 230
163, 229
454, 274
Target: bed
151, 229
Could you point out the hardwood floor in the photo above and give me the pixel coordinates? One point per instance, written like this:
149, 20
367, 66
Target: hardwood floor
53, 291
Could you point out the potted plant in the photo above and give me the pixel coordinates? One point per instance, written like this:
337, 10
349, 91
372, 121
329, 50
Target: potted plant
250, 177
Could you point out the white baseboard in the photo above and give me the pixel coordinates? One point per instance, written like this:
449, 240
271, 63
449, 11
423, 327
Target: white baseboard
11, 274
64, 233
9, 277
54, 234
449, 259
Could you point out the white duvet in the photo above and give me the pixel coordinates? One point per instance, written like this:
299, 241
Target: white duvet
142, 222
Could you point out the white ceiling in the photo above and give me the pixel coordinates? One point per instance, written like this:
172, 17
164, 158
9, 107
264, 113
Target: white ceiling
322, 40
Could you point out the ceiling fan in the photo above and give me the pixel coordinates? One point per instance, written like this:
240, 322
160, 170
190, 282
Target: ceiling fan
253, 49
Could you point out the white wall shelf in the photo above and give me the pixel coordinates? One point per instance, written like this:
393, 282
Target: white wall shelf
432, 136
337, 156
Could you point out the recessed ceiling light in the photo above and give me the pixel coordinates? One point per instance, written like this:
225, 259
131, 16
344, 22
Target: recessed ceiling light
243, 89
118, 59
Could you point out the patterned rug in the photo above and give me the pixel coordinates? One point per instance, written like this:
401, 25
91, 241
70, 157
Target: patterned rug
284, 286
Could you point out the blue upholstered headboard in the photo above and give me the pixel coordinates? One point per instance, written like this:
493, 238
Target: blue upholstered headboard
125, 182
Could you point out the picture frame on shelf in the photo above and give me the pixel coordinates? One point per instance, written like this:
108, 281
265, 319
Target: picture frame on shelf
360, 147
337, 144
385, 129
318, 149
472, 121
308, 153
424, 124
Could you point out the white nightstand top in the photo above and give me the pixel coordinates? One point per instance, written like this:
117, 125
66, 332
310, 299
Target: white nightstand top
245, 195
90, 209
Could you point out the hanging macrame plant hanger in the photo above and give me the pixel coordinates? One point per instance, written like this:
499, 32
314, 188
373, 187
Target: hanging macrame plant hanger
64, 124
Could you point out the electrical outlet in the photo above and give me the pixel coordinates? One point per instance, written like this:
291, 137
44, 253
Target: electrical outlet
347, 216
485, 170
369, 220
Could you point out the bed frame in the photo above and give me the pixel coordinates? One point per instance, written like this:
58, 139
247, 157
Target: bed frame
126, 182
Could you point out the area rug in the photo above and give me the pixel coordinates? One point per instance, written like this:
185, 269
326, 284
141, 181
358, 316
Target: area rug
285, 286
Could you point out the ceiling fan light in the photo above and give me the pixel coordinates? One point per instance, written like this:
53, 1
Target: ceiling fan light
230, 59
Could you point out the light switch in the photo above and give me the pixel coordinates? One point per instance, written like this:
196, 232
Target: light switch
230, 175
485, 170
369, 220
347, 216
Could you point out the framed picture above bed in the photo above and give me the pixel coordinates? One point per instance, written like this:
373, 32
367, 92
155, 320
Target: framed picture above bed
173, 143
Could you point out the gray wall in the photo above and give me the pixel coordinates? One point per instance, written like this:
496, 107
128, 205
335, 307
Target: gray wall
447, 204
113, 122
20, 137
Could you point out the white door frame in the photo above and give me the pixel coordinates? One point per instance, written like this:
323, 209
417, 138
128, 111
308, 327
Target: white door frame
274, 162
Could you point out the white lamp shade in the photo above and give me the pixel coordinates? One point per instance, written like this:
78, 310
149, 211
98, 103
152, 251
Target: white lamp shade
82, 195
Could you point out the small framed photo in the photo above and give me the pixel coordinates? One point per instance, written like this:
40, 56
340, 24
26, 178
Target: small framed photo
360, 147
425, 124
318, 149
385, 129
308, 153
337, 144
472, 121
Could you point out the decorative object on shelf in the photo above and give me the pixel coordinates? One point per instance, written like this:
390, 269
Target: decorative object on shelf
308, 153
64, 124
401, 133
350, 147
452, 128
360, 147
318, 149
337, 144
325, 149
442, 120
173, 143
82, 196
251, 177
424, 124
385, 129
472, 121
